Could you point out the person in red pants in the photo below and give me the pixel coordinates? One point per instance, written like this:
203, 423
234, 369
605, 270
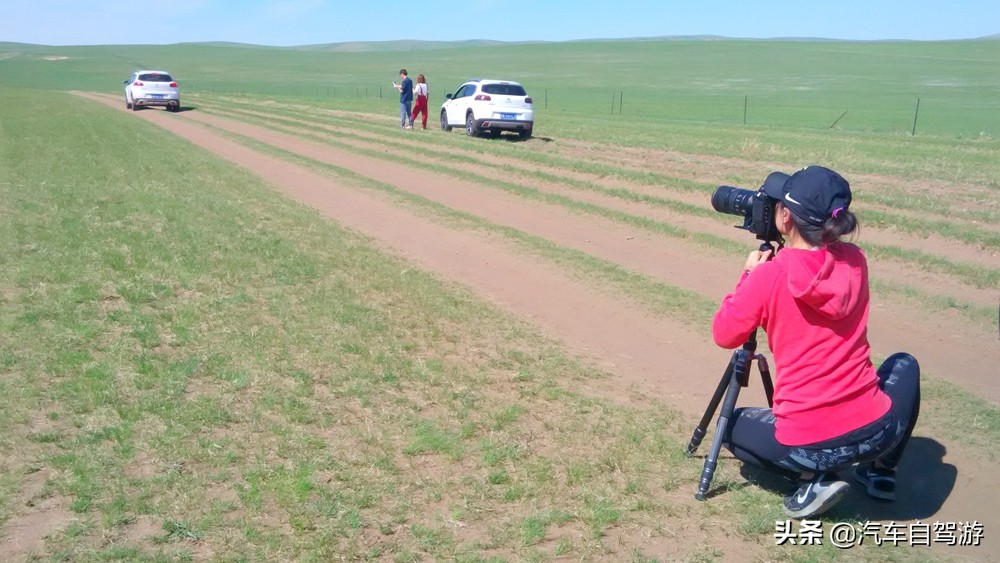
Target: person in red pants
420, 95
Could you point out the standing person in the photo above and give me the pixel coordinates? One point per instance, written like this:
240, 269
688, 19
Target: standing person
420, 105
405, 88
832, 408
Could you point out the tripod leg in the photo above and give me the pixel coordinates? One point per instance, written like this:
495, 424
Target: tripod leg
765, 379
706, 419
728, 406
737, 375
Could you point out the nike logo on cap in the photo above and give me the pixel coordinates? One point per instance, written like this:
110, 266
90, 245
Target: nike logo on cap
789, 198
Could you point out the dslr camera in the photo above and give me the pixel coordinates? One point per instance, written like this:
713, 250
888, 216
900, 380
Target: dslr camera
756, 208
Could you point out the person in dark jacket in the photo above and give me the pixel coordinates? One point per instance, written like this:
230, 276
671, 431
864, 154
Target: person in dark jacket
405, 87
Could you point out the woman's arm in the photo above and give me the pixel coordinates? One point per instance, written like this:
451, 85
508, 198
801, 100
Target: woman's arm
742, 311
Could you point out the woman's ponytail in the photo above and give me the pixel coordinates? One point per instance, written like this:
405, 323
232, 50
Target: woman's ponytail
841, 223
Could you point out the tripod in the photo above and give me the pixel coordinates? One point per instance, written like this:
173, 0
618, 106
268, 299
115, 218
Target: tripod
737, 375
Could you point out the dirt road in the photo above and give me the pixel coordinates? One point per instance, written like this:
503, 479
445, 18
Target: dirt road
648, 353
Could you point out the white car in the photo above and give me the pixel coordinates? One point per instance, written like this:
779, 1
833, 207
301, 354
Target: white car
152, 88
489, 107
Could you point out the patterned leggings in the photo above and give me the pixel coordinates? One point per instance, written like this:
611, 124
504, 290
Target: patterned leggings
750, 432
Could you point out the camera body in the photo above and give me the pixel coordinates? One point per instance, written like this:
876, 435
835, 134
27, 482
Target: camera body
756, 208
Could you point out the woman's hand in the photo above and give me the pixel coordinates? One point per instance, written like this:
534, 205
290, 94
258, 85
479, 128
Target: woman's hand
756, 258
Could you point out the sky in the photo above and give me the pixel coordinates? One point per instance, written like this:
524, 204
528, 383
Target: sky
308, 22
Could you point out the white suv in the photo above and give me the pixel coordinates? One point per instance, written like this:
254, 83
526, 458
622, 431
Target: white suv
152, 88
489, 106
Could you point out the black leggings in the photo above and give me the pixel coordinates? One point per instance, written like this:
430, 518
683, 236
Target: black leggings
750, 432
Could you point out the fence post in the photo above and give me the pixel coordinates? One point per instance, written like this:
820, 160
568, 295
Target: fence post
613, 95
832, 125
745, 97
621, 96
913, 133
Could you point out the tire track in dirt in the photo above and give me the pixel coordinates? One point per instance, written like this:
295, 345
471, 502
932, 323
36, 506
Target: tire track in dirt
900, 273
952, 199
644, 352
621, 340
599, 194
953, 350
670, 259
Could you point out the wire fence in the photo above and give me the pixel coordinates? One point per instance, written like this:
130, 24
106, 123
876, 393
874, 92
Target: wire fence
898, 113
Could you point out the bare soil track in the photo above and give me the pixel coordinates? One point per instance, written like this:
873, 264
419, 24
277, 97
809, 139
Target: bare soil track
648, 353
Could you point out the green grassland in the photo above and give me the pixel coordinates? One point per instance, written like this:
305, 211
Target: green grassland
803, 85
180, 345
183, 346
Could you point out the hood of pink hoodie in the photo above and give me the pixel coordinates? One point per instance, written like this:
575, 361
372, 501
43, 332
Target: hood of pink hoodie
829, 280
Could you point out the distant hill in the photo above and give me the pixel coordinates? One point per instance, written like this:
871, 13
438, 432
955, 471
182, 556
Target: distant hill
401, 45
420, 45
365, 46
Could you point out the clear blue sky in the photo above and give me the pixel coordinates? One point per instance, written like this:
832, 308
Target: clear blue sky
304, 22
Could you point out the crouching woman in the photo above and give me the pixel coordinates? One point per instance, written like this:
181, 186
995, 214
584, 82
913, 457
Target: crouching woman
833, 411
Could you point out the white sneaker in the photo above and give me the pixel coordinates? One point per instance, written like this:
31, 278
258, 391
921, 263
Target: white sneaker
815, 496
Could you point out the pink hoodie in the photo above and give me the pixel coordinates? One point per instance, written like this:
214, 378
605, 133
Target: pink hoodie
813, 305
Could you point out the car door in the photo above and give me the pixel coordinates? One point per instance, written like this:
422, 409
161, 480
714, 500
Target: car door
459, 103
128, 89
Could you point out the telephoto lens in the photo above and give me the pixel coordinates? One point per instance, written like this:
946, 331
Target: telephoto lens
734, 201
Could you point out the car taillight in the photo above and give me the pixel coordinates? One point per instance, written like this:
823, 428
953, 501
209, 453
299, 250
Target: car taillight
483, 98
527, 100
137, 83
173, 84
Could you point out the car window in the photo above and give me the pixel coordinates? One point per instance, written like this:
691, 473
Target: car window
158, 77
504, 89
465, 90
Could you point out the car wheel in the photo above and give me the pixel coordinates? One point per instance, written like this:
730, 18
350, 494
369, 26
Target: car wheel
444, 121
525, 134
128, 104
470, 125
